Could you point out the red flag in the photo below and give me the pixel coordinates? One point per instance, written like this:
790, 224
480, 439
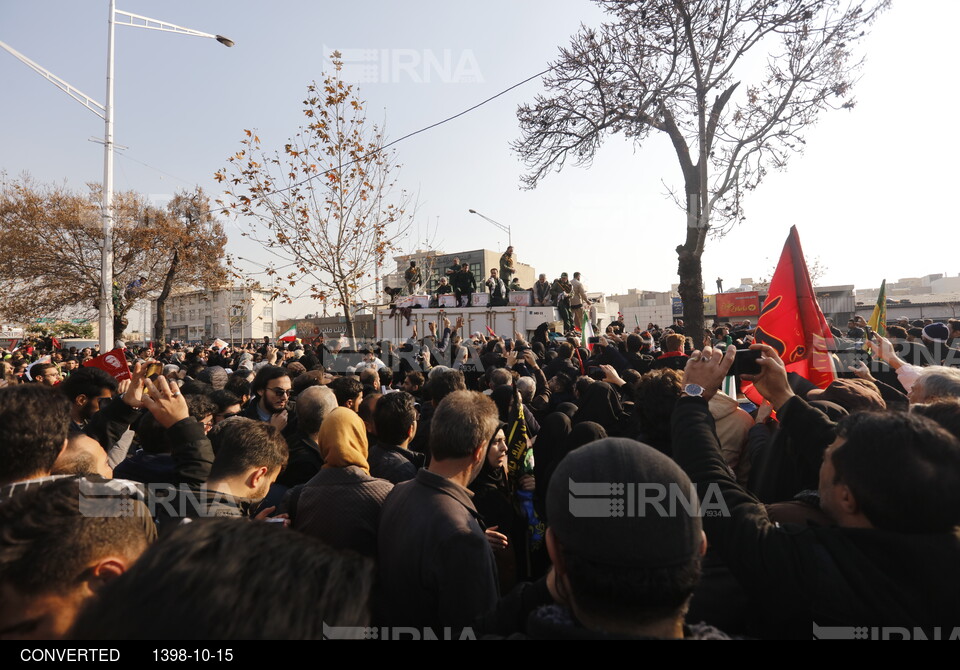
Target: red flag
791, 321
113, 363
490, 330
56, 343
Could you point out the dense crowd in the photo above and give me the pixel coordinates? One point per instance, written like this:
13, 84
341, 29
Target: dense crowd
470, 485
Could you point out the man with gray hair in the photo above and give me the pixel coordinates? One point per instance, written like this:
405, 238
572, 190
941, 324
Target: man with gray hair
436, 565
527, 386
499, 377
935, 382
313, 404
922, 384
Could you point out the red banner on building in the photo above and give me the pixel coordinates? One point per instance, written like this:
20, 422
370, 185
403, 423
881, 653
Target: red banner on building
738, 306
114, 363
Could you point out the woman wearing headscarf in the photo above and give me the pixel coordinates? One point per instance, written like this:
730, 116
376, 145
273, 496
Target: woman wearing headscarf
495, 501
521, 479
601, 404
582, 434
341, 504
547, 452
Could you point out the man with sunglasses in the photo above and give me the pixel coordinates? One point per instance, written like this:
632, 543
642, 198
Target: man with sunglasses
271, 390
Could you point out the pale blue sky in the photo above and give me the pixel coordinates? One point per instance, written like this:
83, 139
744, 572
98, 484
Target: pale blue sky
870, 196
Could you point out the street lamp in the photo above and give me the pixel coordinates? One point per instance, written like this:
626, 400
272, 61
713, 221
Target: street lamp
105, 112
502, 227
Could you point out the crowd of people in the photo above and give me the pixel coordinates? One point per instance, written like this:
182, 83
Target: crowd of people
458, 280
471, 485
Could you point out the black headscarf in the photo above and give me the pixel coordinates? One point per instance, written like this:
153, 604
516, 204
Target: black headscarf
583, 433
490, 477
505, 398
540, 334
548, 450
601, 404
568, 408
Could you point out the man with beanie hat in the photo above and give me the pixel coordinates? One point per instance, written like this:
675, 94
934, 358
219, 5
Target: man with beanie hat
626, 542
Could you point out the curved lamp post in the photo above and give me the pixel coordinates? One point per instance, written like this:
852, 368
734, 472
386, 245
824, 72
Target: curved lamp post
105, 112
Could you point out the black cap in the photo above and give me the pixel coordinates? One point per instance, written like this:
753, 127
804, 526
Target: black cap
601, 506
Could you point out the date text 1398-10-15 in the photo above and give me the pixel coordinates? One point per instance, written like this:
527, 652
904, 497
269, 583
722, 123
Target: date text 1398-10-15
204, 655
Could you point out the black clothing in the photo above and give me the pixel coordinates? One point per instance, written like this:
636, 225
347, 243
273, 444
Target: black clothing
393, 463
555, 622
601, 404
303, 463
189, 498
146, 468
803, 577
436, 566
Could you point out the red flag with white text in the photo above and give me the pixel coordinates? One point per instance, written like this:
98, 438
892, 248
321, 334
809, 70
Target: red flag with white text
113, 363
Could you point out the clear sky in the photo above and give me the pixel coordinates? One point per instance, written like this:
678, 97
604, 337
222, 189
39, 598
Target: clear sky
870, 197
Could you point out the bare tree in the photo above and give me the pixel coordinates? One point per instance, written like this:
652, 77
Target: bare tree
327, 206
678, 67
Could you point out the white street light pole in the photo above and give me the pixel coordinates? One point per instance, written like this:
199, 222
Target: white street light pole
106, 113
106, 208
499, 225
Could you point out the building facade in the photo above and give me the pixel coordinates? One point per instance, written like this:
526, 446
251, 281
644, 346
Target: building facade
311, 327
236, 314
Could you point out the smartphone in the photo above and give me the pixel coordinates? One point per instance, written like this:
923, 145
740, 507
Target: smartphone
596, 373
745, 363
869, 332
154, 369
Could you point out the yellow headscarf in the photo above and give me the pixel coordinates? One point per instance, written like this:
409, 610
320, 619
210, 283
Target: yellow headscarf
343, 440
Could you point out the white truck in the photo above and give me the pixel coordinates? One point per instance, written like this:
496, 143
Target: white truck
503, 321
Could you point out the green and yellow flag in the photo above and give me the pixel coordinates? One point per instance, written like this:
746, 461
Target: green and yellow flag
878, 320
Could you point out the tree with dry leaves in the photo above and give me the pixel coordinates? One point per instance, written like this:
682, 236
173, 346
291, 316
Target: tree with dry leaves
50, 244
733, 84
327, 207
194, 251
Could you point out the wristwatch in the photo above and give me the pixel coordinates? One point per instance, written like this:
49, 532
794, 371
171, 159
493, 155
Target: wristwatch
693, 390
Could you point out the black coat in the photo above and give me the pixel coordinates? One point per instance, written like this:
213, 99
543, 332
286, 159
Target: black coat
799, 577
304, 462
436, 566
393, 463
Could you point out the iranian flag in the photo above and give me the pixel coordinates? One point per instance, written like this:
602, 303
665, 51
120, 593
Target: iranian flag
290, 335
586, 331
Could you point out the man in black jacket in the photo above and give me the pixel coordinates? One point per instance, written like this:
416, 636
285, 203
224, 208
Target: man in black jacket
313, 405
396, 419
891, 484
464, 285
436, 566
249, 459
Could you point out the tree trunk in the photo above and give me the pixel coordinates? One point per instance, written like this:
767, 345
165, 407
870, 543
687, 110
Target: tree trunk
160, 325
690, 271
348, 323
120, 324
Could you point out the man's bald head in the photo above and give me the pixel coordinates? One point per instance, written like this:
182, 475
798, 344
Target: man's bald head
82, 456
